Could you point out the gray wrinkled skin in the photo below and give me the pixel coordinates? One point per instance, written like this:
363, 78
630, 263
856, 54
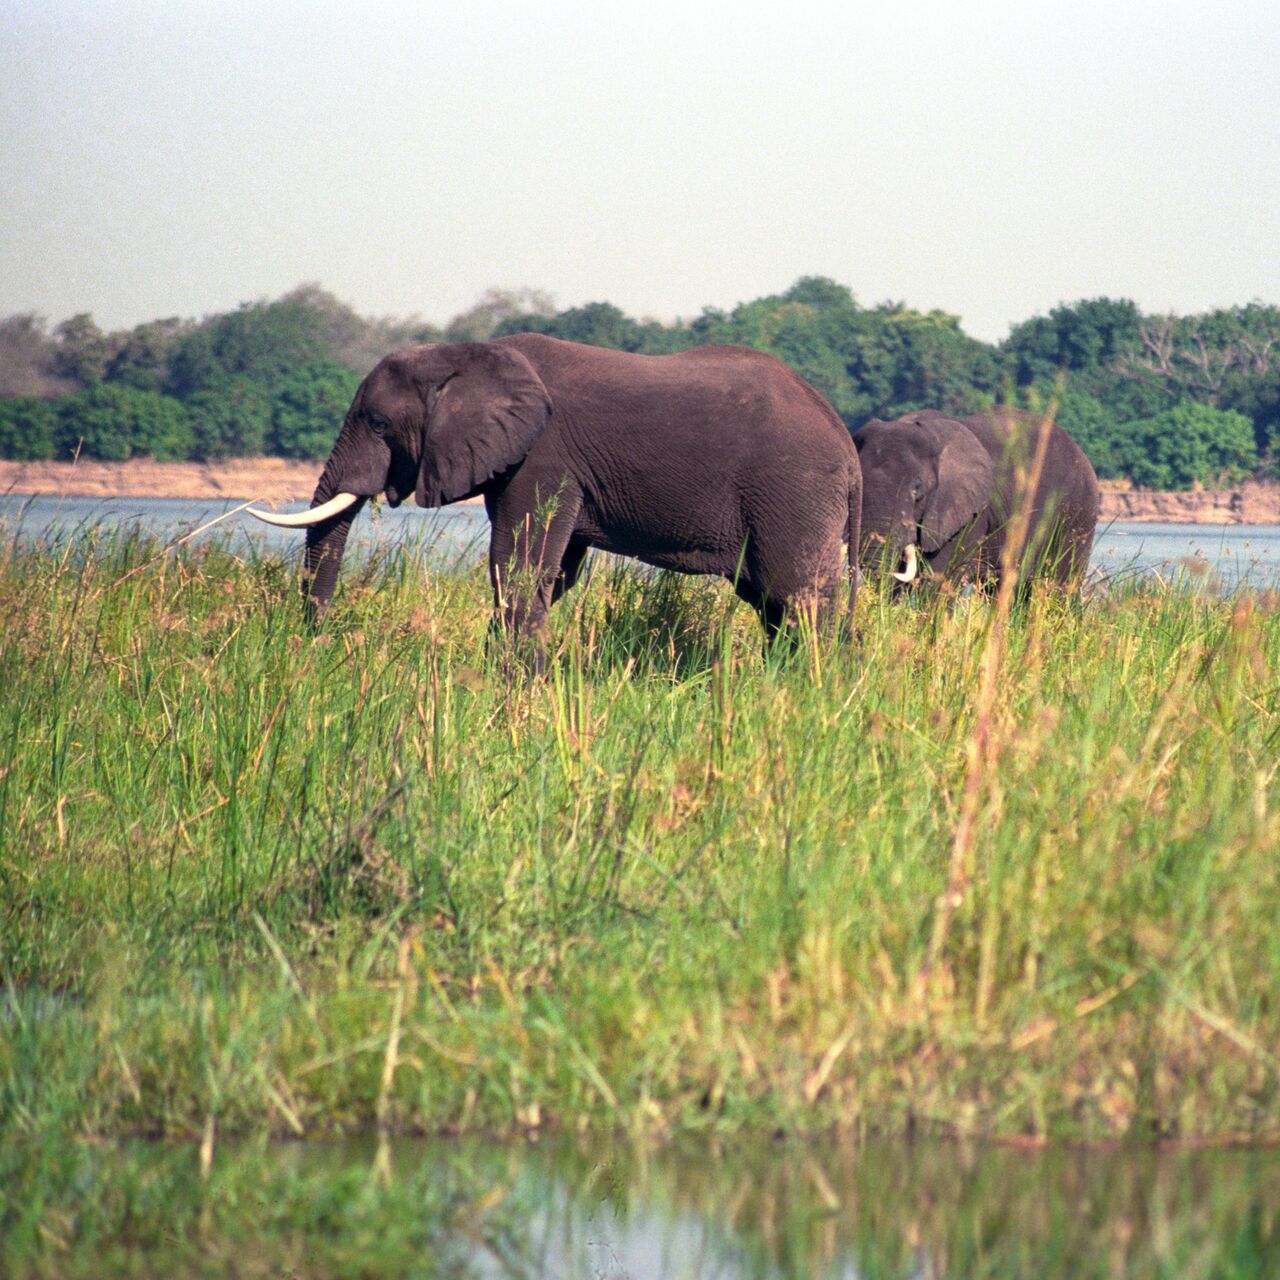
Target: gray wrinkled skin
950, 486
718, 460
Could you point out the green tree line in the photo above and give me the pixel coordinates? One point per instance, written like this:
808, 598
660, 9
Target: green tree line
1167, 401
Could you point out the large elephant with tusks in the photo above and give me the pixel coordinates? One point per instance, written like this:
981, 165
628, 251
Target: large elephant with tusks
716, 460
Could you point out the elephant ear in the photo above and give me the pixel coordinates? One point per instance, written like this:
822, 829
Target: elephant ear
965, 478
482, 417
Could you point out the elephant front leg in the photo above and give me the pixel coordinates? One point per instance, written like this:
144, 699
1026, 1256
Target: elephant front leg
527, 559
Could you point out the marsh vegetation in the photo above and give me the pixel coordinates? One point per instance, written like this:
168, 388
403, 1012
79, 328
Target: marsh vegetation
980, 873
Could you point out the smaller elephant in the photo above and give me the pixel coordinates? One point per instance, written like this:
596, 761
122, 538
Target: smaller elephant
944, 489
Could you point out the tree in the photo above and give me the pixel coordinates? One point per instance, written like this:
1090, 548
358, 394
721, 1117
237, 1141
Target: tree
1229, 358
495, 310
814, 327
27, 359
822, 294
27, 429
140, 358
1085, 419
933, 363
116, 423
351, 339
880, 362
230, 421
309, 409
599, 324
262, 341
81, 350
1187, 445
1083, 335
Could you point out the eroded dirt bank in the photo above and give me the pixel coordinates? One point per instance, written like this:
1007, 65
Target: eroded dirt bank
268, 479
1250, 503
282, 480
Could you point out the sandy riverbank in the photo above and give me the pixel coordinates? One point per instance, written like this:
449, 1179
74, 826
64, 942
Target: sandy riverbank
282, 480
268, 479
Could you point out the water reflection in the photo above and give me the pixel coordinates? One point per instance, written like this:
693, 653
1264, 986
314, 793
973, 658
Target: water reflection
924, 1211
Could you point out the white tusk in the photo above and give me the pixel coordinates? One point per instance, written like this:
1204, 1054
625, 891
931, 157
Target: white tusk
912, 565
300, 519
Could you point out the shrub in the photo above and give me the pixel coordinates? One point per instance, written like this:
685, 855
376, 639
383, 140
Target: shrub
27, 429
309, 409
1187, 445
115, 423
230, 421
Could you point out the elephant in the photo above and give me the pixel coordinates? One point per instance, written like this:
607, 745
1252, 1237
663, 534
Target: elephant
944, 489
714, 460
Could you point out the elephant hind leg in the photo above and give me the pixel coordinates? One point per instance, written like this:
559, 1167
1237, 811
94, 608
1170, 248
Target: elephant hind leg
779, 616
570, 568
771, 612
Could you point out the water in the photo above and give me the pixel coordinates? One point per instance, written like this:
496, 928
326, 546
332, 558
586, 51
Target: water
773, 1210
447, 534
1221, 557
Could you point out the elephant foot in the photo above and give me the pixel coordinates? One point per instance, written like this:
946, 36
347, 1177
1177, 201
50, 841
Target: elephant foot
520, 653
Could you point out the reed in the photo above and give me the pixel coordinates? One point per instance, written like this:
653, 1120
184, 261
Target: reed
254, 881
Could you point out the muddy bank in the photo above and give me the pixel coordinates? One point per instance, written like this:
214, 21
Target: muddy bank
269, 479
283, 480
1250, 503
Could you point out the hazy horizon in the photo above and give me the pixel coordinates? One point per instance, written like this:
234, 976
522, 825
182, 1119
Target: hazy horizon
990, 160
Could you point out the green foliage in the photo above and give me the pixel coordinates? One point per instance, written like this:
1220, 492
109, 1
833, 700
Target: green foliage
115, 423
28, 429
599, 324
309, 409
265, 377
932, 363
1125, 397
811, 328
82, 351
1085, 419
262, 341
880, 362
1217, 358
1084, 335
232, 421
140, 358
247, 866
1191, 444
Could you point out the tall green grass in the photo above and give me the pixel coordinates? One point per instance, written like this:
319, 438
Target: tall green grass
258, 881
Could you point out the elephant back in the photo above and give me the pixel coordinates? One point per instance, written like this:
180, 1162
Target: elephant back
1066, 499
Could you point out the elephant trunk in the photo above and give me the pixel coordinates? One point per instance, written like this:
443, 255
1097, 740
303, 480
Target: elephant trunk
325, 544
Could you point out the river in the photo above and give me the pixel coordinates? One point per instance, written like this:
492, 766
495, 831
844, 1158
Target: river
1220, 556
699, 1208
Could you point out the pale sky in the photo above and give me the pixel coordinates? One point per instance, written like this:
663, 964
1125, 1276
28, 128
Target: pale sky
990, 159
